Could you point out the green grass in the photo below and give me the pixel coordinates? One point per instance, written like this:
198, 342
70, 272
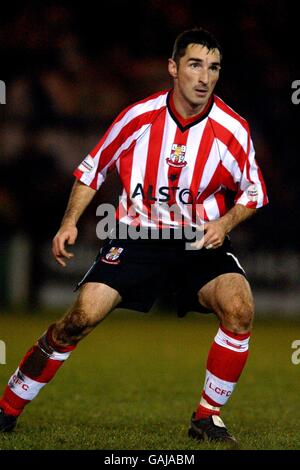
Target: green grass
133, 383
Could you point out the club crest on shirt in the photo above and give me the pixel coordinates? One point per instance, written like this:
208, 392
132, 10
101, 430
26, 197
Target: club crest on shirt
177, 156
112, 257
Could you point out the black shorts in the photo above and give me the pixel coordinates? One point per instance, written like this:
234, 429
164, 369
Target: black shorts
143, 270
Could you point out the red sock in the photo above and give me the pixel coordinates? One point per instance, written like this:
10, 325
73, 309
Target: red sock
203, 411
37, 368
225, 363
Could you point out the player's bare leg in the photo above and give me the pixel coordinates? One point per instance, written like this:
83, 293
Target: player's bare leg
94, 303
229, 297
42, 361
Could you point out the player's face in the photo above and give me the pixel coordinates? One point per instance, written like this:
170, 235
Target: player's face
196, 75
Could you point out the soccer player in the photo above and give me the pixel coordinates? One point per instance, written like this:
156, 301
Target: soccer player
182, 148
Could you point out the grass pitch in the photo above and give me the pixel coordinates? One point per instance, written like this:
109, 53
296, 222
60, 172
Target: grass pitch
133, 383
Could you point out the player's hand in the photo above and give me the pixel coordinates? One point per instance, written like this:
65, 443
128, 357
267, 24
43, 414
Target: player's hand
214, 234
66, 234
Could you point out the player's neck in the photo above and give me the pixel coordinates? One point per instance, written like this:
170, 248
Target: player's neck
184, 108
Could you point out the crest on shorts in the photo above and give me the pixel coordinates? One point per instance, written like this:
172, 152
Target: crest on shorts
112, 257
177, 156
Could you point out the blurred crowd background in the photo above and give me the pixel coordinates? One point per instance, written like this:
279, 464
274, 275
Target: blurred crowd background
70, 69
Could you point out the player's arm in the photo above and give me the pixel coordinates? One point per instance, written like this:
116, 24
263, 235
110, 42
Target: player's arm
80, 197
215, 231
250, 195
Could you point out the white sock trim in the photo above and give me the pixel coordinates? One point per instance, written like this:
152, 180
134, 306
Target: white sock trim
217, 389
57, 356
23, 386
222, 339
205, 404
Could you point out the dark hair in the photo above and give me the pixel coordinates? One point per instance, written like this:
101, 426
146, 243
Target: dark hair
194, 36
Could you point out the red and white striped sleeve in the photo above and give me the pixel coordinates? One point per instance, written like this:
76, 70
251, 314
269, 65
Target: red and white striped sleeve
119, 137
251, 186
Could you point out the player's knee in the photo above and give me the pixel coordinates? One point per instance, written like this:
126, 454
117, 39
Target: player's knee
239, 314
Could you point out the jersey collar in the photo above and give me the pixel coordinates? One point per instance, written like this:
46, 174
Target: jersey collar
183, 123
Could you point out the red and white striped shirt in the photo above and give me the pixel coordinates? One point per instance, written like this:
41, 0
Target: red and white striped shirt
163, 160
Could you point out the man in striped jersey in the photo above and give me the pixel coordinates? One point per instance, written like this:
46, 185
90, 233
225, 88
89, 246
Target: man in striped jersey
179, 152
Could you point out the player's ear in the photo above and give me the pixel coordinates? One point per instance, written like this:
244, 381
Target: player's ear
172, 67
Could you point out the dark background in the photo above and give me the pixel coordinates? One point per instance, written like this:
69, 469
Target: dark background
69, 70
